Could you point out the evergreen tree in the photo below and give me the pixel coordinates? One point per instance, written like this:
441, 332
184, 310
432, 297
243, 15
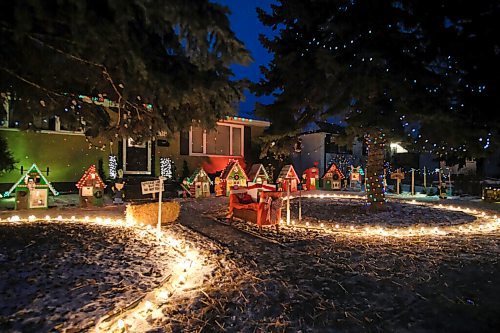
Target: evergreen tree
163, 63
382, 66
6, 159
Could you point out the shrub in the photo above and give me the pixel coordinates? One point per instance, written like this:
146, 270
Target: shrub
148, 213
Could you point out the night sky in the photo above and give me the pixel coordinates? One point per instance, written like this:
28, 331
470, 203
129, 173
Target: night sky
247, 27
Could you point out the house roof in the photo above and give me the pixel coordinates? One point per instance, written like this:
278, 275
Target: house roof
324, 127
334, 169
88, 173
196, 173
31, 169
255, 171
288, 170
233, 164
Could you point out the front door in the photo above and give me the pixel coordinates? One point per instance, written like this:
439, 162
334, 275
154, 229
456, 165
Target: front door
312, 185
136, 157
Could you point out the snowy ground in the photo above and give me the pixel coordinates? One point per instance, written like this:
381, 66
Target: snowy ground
306, 278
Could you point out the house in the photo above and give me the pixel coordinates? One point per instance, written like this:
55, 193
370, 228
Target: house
311, 178
91, 188
332, 179
31, 190
258, 174
199, 184
231, 138
288, 177
320, 144
233, 176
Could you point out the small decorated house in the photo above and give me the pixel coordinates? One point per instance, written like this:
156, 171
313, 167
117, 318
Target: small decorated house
288, 176
332, 179
32, 190
233, 176
311, 178
356, 177
199, 184
258, 174
91, 188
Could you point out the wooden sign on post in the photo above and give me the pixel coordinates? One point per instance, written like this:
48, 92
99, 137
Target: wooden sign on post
398, 175
152, 186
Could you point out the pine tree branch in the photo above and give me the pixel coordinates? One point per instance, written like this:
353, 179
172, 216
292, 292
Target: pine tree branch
25, 80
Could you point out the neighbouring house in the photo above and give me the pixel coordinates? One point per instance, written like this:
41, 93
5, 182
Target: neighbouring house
258, 174
199, 184
320, 144
288, 177
233, 176
311, 178
332, 179
68, 152
91, 188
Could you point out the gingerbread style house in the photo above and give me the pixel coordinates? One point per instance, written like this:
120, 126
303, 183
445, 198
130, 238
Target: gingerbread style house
258, 174
332, 179
233, 176
287, 177
91, 188
199, 184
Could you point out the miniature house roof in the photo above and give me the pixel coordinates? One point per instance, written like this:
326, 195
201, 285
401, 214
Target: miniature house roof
288, 172
200, 172
232, 166
334, 169
32, 169
92, 174
257, 170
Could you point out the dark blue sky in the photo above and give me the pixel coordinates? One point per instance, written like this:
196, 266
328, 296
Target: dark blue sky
247, 27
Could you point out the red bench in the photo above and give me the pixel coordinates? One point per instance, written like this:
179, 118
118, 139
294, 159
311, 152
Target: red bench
265, 212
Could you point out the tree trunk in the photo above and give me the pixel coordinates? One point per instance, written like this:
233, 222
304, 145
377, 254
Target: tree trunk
375, 171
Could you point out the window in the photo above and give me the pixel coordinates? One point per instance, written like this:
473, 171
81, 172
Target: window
223, 140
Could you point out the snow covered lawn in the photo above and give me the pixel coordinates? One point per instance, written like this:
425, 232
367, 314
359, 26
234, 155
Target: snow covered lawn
62, 275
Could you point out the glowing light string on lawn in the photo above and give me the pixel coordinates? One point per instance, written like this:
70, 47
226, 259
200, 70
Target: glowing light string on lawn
485, 223
151, 303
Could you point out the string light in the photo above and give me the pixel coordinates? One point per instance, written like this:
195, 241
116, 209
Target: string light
166, 167
113, 166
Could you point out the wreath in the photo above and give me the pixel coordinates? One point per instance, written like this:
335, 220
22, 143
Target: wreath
98, 194
335, 176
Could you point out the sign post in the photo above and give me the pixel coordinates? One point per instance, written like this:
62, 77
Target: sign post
288, 183
412, 181
158, 226
398, 175
425, 179
155, 186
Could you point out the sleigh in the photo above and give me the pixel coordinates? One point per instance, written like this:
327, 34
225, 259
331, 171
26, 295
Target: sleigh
265, 212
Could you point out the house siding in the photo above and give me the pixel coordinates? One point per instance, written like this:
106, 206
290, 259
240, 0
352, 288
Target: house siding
66, 155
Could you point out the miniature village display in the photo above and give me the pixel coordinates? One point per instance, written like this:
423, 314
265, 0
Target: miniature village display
258, 174
32, 190
198, 184
91, 188
310, 178
332, 179
233, 176
287, 177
